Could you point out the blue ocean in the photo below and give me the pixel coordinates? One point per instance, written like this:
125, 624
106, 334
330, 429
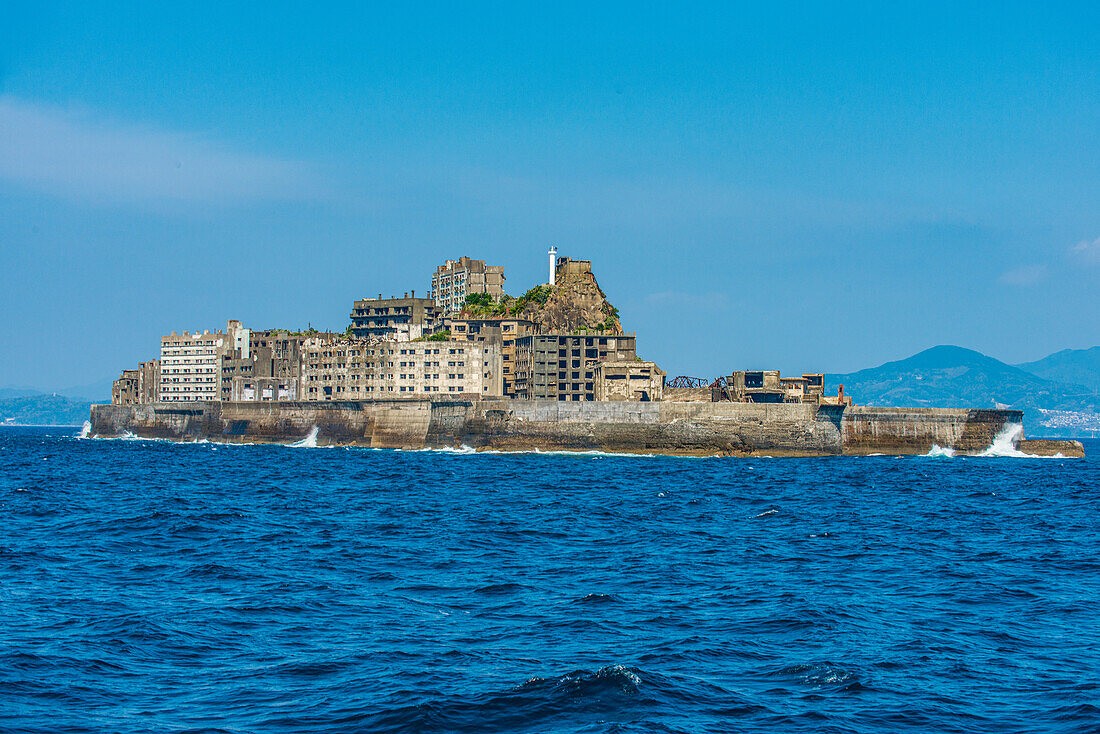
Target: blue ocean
148, 586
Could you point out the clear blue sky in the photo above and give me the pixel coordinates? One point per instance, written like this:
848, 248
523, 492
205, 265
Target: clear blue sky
764, 185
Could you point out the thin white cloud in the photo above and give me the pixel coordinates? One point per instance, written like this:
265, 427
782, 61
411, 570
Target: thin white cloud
1088, 251
93, 158
1024, 276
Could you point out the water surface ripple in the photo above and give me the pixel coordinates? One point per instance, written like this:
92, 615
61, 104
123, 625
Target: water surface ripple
151, 586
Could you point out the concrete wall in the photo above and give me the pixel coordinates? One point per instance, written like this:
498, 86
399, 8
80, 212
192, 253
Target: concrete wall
662, 427
913, 430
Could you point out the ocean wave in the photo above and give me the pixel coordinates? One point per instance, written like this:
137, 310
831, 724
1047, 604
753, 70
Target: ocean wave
309, 442
819, 675
383, 591
610, 694
1004, 443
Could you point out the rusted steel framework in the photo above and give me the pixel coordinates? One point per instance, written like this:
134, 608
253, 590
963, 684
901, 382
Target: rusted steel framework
685, 381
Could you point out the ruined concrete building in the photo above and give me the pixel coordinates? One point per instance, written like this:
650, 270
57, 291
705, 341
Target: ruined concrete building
563, 366
191, 363
504, 331
352, 369
566, 344
767, 386
634, 380
395, 319
456, 279
137, 387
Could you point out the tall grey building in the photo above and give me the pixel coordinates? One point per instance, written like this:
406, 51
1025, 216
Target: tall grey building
456, 279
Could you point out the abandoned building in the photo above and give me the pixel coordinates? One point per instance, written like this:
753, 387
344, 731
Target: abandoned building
563, 366
395, 319
503, 330
456, 279
633, 380
767, 386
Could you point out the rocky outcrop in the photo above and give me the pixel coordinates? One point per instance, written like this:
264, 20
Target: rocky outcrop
576, 303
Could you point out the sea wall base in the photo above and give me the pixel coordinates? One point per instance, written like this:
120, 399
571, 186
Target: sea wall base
690, 428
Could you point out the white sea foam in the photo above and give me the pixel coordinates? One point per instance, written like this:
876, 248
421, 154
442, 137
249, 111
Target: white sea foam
309, 442
1004, 443
766, 512
85, 430
464, 449
128, 436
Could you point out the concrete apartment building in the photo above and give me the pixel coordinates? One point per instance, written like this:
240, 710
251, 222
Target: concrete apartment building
633, 380
395, 319
563, 366
357, 369
191, 364
456, 279
505, 331
269, 369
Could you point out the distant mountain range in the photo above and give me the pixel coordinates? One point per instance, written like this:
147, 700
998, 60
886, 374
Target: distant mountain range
65, 407
44, 410
1059, 393
1075, 366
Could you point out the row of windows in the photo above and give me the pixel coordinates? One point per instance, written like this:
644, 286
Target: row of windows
400, 376
353, 388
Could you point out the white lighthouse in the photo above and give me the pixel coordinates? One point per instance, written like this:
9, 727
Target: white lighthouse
553, 264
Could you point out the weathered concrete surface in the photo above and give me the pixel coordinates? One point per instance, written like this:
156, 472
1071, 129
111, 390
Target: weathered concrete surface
914, 430
736, 429
1046, 447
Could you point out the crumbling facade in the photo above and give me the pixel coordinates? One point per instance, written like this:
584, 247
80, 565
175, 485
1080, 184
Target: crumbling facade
767, 386
563, 366
354, 369
191, 366
456, 279
263, 389
124, 390
394, 319
503, 330
137, 387
635, 380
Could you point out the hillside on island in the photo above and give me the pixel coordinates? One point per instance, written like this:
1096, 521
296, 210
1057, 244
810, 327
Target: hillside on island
1074, 366
44, 410
574, 304
955, 377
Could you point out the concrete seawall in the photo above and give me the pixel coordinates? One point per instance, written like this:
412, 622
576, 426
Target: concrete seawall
662, 427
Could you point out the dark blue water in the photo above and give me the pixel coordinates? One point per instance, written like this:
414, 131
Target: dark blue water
149, 586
